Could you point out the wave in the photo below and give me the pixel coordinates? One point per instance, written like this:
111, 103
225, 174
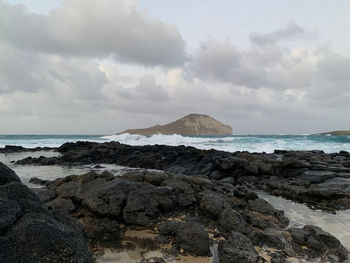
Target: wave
251, 143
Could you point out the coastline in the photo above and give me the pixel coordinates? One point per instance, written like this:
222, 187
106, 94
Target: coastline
300, 176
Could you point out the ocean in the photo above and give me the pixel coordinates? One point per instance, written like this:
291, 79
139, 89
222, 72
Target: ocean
251, 143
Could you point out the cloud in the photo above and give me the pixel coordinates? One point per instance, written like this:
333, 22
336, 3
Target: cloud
331, 85
290, 32
147, 89
29, 72
257, 67
216, 60
94, 28
105, 66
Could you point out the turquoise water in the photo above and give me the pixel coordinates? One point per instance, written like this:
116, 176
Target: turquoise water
32, 141
252, 143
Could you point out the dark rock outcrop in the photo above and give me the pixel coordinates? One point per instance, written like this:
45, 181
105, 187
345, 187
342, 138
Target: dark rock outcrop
29, 232
314, 242
190, 213
7, 175
237, 248
313, 177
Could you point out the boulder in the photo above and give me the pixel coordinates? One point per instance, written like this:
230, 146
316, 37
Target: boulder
313, 242
193, 238
230, 220
26, 226
212, 205
237, 248
7, 175
316, 176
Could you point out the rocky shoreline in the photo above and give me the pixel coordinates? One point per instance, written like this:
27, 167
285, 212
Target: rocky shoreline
321, 180
200, 203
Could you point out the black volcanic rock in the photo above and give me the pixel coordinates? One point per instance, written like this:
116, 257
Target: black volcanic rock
321, 180
190, 212
30, 233
7, 175
237, 248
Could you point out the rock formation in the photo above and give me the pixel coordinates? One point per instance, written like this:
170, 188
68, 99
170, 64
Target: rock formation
202, 199
30, 232
190, 214
193, 124
313, 177
337, 133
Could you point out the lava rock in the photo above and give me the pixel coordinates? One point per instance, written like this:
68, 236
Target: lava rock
230, 220
26, 226
193, 238
237, 248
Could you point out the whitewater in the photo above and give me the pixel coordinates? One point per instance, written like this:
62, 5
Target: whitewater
251, 143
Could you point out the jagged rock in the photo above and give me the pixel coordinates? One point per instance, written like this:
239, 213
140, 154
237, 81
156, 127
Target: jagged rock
7, 175
285, 173
26, 226
62, 204
193, 238
237, 248
230, 220
260, 239
140, 208
316, 176
169, 228
212, 205
313, 242
106, 205
45, 195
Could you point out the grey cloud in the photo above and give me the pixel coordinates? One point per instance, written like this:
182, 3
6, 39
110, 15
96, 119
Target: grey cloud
331, 84
22, 71
266, 66
147, 89
290, 32
91, 28
216, 60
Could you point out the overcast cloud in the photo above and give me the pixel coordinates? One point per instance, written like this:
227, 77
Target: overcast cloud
104, 66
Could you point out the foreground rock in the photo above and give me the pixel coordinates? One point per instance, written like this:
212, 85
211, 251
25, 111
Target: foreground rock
191, 214
313, 177
30, 233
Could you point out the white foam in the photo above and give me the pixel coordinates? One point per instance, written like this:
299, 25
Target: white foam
234, 143
258, 143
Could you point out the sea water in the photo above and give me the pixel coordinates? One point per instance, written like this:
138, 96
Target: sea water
251, 143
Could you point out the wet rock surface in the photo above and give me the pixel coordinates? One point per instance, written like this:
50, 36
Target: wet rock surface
30, 232
314, 177
190, 215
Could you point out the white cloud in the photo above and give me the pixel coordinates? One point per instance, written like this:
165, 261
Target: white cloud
94, 28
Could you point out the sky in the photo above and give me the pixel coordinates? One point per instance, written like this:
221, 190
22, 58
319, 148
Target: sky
100, 67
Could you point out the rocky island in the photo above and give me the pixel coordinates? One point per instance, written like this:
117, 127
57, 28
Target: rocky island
192, 124
187, 203
337, 133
